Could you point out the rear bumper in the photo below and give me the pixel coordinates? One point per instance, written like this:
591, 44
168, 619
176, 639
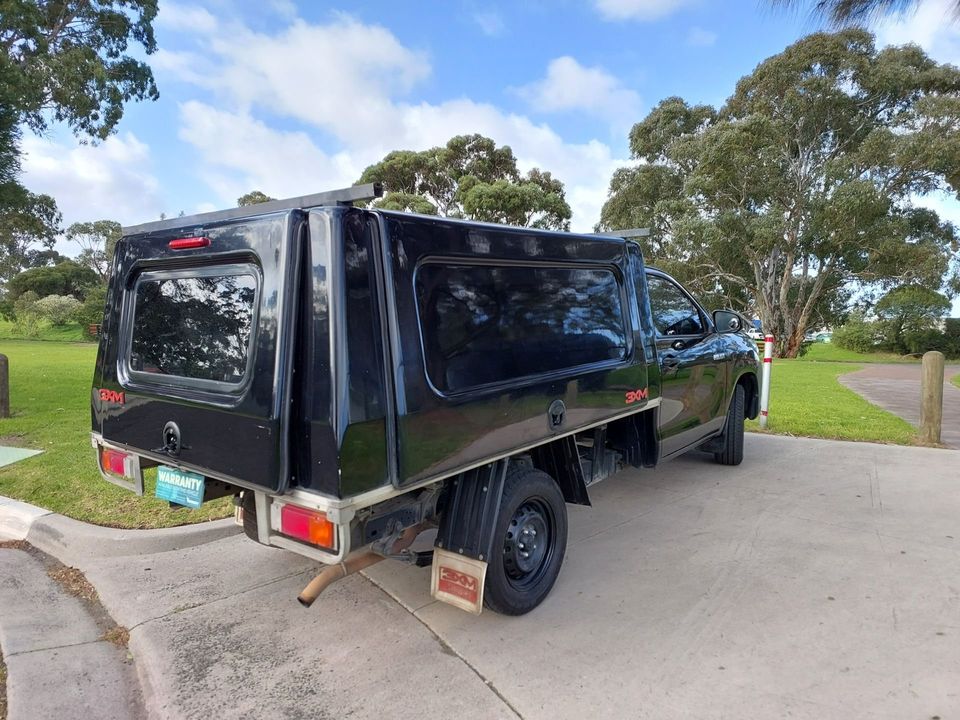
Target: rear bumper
269, 507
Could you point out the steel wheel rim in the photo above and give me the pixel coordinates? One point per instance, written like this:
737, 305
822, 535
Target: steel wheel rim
528, 545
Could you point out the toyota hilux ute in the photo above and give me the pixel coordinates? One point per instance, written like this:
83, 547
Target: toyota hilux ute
353, 377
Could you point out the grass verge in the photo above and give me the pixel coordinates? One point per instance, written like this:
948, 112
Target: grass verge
72, 332
829, 352
50, 411
807, 399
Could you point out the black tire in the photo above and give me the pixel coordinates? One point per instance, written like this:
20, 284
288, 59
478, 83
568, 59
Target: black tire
732, 451
531, 501
249, 504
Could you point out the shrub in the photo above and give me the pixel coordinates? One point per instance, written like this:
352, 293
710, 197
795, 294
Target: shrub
7, 311
26, 315
58, 309
951, 329
92, 311
856, 334
926, 340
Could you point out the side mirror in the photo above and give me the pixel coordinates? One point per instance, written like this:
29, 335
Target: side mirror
727, 321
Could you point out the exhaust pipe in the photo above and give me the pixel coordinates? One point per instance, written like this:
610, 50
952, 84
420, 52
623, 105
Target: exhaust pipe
331, 574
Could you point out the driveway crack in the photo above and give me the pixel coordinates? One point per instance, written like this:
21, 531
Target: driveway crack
193, 606
448, 649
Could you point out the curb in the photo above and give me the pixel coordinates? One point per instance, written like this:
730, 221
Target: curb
58, 662
71, 540
17, 517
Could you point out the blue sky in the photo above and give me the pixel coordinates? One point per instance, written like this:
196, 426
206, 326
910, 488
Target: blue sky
297, 97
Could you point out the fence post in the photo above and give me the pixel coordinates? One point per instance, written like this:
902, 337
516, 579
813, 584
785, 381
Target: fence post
4, 387
931, 397
765, 379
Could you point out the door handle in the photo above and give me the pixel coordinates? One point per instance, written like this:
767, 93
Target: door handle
669, 360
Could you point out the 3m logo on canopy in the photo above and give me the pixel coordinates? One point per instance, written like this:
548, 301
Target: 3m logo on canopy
112, 396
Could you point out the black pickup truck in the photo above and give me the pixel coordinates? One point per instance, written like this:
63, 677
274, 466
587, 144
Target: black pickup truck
353, 377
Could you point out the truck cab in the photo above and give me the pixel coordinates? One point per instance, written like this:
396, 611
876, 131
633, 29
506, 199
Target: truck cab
355, 376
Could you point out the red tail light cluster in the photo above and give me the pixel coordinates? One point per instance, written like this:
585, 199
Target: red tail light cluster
115, 461
311, 526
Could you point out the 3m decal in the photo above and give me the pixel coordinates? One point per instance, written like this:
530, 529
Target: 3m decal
112, 396
636, 395
459, 584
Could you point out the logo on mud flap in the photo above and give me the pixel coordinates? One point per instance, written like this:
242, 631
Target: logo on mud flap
112, 396
459, 584
636, 395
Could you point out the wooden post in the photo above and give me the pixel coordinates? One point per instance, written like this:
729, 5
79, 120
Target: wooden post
4, 387
931, 397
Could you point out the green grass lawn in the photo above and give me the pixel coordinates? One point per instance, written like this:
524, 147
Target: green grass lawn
956, 380
65, 333
829, 352
50, 408
806, 399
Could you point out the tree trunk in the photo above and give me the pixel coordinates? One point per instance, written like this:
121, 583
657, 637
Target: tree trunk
793, 343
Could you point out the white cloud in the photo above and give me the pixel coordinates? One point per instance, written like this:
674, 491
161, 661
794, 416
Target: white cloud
186, 66
944, 204
490, 22
698, 37
339, 76
638, 9
112, 180
347, 80
175, 16
569, 85
241, 154
932, 26
284, 8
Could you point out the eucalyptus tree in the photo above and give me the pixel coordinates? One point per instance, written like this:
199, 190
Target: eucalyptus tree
69, 62
803, 182
841, 13
470, 177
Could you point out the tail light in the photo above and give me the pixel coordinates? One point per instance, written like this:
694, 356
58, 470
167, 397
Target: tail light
311, 526
116, 462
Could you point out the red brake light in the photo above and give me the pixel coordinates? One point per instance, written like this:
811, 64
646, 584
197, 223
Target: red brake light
114, 461
189, 243
309, 525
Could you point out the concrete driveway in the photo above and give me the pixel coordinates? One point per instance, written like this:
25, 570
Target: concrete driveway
817, 580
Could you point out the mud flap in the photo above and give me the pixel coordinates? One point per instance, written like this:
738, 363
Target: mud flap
465, 537
458, 580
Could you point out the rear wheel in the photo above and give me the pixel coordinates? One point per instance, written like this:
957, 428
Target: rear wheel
529, 543
732, 451
248, 504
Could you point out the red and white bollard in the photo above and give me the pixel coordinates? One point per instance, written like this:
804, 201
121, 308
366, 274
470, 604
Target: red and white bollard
765, 379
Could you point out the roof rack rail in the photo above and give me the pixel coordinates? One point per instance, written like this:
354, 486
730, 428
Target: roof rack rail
626, 234
344, 196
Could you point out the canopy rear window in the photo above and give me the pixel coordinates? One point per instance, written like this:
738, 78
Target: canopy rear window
194, 325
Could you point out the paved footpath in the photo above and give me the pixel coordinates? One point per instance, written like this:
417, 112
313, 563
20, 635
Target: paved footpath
896, 388
817, 580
